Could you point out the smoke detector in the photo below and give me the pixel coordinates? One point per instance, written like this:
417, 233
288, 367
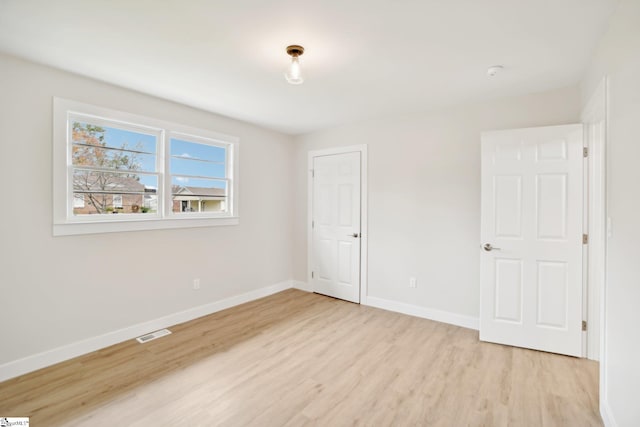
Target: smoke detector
493, 70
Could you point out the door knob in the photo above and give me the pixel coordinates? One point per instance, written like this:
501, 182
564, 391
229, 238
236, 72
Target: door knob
487, 247
354, 235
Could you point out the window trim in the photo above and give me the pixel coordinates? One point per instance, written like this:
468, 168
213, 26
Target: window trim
66, 223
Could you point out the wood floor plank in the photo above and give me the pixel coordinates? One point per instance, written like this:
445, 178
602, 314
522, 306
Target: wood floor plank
297, 358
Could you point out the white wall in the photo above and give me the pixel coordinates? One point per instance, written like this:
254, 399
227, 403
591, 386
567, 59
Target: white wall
618, 56
424, 195
56, 291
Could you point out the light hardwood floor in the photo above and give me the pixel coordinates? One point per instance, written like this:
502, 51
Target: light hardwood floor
296, 358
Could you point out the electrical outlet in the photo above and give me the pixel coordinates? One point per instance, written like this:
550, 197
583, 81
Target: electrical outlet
413, 283
196, 284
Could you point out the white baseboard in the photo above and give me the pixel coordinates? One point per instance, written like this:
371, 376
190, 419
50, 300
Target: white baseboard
303, 286
412, 310
606, 414
426, 313
42, 360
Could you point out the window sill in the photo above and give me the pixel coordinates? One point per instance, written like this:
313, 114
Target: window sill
78, 228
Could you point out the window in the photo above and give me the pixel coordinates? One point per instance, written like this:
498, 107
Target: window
112, 163
198, 176
153, 174
117, 201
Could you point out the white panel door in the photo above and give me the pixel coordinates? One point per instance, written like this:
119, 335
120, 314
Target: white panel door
531, 233
335, 249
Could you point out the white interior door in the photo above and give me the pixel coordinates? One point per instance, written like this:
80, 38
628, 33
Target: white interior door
531, 231
335, 257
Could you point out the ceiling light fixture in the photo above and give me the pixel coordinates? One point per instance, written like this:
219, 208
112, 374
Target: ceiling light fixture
294, 73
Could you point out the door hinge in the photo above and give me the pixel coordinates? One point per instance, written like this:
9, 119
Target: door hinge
312, 274
584, 325
585, 152
313, 224
585, 239
313, 173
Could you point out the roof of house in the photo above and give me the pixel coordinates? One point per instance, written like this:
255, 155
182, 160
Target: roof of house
111, 184
198, 191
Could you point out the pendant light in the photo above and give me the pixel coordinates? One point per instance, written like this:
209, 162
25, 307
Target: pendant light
294, 73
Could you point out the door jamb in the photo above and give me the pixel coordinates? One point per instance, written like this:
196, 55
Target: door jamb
364, 236
596, 111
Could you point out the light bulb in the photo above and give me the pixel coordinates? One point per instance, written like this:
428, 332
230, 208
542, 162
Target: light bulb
294, 73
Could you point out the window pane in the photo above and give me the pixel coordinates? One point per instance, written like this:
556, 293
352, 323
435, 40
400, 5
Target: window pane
112, 148
194, 150
113, 192
78, 200
198, 195
107, 158
186, 166
196, 159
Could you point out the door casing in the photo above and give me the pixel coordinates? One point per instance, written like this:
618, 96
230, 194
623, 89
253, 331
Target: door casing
597, 111
594, 118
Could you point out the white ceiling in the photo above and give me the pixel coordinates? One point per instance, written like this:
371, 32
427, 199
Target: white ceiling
364, 58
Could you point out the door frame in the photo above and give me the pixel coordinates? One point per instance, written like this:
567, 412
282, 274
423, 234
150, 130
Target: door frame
364, 236
597, 109
596, 208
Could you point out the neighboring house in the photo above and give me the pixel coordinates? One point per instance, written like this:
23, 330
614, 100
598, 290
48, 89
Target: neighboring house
117, 195
128, 195
198, 199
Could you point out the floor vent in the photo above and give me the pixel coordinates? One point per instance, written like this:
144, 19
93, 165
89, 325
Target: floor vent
153, 335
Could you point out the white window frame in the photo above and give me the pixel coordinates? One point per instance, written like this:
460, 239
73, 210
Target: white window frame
119, 204
64, 220
107, 121
229, 172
